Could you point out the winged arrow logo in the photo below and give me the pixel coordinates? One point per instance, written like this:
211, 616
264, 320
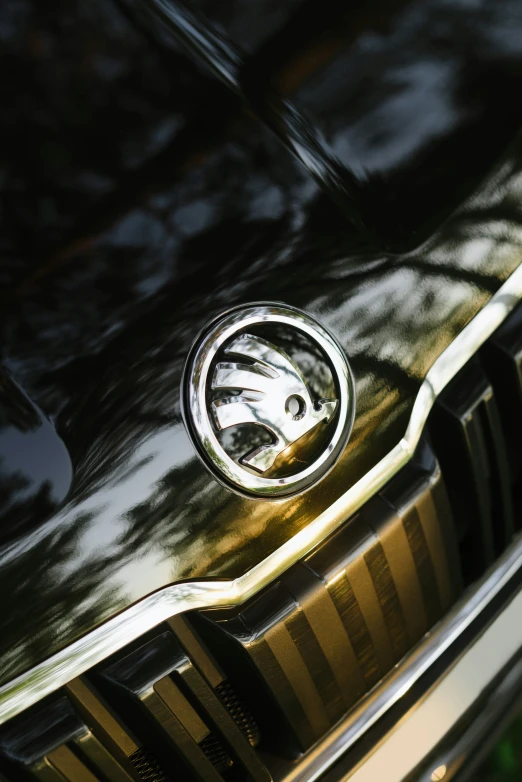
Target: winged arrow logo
272, 394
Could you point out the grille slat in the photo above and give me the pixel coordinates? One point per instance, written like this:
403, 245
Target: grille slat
352, 617
52, 743
161, 690
194, 733
111, 744
502, 359
315, 640
467, 436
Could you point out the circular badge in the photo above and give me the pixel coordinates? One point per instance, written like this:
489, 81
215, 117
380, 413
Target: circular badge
268, 400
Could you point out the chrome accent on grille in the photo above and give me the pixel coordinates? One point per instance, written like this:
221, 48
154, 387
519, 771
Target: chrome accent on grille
426, 725
402, 679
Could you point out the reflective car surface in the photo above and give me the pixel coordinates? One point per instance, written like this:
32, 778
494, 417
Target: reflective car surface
162, 164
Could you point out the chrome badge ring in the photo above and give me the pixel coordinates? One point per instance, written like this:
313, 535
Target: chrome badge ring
274, 388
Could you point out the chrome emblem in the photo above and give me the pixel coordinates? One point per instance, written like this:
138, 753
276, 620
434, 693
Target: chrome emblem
268, 400
273, 395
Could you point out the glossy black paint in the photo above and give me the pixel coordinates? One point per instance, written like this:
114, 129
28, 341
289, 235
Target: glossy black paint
31, 736
35, 468
141, 199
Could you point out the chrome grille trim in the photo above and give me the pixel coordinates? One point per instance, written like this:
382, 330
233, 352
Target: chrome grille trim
414, 738
53, 673
399, 681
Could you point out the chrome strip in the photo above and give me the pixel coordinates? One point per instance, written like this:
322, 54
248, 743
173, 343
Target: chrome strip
389, 691
466, 746
26, 689
419, 732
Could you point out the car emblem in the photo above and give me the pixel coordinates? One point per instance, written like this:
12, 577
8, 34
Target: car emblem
268, 400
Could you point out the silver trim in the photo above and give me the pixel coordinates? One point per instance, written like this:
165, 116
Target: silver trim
226, 334
26, 689
391, 689
466, 746
428, 722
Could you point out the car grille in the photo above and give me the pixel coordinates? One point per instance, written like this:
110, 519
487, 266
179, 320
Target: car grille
223, 694
335, 623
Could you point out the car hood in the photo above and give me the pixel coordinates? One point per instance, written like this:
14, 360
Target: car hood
98, 325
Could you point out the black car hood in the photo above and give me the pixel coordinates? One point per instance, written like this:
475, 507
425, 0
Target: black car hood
100, 316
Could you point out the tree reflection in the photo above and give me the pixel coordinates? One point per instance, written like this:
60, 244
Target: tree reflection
147, 251
49, 604
22, 507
